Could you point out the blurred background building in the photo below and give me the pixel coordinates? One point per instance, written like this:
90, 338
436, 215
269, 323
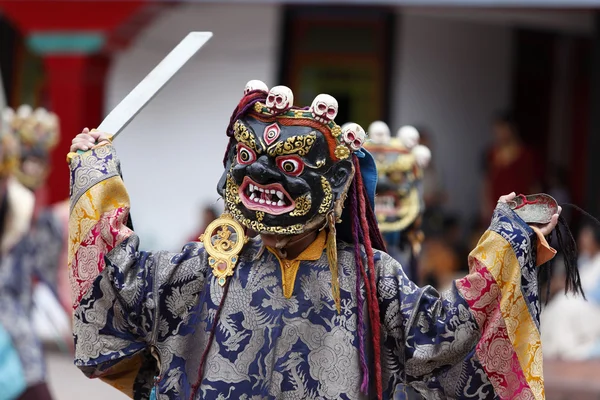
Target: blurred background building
447, 66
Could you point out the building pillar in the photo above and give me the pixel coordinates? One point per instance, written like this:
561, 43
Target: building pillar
76, 42
72, 98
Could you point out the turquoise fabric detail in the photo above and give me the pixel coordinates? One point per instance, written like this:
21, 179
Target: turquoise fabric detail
368, 170
12, 379
153, 393
66, 43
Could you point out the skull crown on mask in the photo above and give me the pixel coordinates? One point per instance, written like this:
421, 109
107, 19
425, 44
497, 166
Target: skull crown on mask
285, 171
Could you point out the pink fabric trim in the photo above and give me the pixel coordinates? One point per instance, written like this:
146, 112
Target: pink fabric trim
88, 263
494, 350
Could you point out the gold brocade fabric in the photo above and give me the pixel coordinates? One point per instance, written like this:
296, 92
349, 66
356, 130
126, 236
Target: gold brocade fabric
289, 268
496, 254
277, 332
102, 198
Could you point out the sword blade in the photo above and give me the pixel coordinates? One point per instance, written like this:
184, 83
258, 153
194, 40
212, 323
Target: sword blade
149, 87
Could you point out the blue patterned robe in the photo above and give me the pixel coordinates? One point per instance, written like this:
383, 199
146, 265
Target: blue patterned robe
142, 319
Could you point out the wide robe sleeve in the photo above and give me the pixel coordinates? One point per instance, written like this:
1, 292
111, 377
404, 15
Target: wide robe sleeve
480, 339
114, 285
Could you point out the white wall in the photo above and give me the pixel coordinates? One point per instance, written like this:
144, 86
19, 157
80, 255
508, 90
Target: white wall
452, 76
171, 153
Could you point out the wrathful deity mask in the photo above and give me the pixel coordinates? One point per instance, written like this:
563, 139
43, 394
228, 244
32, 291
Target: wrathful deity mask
36, 132
287, 169
400, 163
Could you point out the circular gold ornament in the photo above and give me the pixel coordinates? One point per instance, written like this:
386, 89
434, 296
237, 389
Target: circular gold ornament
223, 240
336, 131
342, 152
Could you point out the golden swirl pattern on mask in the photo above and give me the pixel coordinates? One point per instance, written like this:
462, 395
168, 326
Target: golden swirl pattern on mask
303, 205
260, 215
299, 145
232, 191
232, 199
243, 135
327, 198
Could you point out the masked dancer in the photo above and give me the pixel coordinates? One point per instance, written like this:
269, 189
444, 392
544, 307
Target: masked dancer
310, 308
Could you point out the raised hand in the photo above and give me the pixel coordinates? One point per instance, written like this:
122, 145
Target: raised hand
88, 139
545, 229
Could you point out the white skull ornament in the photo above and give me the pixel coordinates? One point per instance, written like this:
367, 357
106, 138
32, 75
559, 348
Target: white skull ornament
8, 114
379, 133
354, 136
409, 136
255, 84
280, 99
324, 108
24, 111
422, 155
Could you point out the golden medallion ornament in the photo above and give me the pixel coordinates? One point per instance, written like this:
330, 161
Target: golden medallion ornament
223, 240
342, 152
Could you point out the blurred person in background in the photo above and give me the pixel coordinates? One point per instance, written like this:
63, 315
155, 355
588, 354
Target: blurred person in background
509, 165
37, 133
22, 376
444, 256
399, 205
434, 192
571, 325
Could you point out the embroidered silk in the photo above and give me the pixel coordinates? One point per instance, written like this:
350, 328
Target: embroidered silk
143, 319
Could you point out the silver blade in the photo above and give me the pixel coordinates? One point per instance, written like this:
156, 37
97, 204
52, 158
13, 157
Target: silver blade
137, 99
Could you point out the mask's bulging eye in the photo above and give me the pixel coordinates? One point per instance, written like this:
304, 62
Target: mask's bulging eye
245, 155
290, 165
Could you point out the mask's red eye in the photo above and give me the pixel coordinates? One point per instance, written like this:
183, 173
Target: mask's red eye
290, 165
245, 155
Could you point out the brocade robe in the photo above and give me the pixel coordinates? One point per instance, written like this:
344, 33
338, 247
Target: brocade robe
18, 270
142, 319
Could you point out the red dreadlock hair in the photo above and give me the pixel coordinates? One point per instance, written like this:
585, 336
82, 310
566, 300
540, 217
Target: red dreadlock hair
366, 232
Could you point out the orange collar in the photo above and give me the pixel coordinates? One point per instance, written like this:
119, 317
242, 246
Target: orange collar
289, 268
